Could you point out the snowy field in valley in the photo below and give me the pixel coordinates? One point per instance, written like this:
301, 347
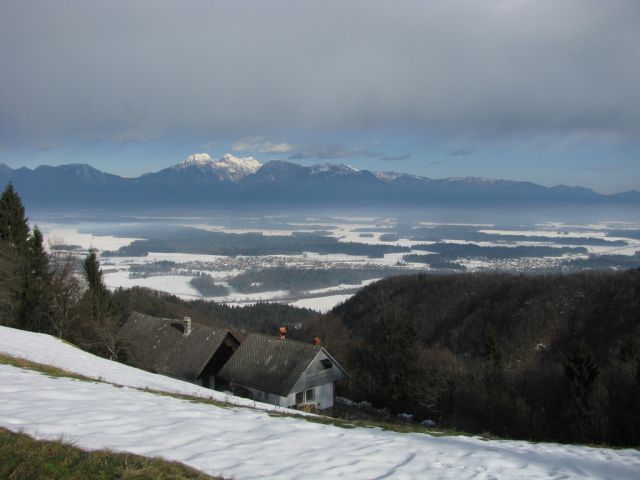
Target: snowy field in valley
245, 443
366, 231
321, 304
61, 235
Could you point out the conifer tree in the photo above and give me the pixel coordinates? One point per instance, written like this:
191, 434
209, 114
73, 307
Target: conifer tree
581, 372
93, 275
14, 232
100, 310
14, 229
33, 314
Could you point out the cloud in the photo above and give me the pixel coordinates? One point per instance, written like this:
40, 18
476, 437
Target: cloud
48, 146
261, 145
606, 167
458, 152
491, 70
435, 163
124, 137
136, 136
396, 158
327, 151
336, 151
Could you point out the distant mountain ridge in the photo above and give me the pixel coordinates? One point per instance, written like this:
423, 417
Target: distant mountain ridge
201, 180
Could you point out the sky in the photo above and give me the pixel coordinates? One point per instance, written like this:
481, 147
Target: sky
539, 90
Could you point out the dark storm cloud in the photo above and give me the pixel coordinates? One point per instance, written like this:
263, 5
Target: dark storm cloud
501, 69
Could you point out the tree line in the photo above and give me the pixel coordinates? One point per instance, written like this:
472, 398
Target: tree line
43, 293
545, 357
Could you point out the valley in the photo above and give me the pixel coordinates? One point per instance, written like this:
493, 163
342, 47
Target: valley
318, 262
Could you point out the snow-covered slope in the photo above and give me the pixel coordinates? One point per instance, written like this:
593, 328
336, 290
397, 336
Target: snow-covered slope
247, 443
49, 350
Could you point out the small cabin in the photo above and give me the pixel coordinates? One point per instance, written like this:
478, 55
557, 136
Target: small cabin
283, 372
177, 348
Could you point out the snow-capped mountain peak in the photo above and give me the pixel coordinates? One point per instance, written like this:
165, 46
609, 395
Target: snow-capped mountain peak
337, 169
197, 159
229, 167
244, 166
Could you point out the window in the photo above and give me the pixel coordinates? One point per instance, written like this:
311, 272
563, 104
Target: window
309, 395
306, 396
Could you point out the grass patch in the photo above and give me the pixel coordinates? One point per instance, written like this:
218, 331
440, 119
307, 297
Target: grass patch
39, 367
59, 373
23, 457
190, 398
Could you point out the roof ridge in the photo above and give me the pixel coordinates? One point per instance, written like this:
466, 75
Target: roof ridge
318, 347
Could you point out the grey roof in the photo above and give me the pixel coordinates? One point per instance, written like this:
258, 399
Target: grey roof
273, 365
159, 344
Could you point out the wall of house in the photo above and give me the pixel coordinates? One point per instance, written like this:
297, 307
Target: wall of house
324, 396
266, 397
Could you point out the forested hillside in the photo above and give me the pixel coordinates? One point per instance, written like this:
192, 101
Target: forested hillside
541, 357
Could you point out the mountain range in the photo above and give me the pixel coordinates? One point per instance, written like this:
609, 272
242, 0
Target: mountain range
203, 181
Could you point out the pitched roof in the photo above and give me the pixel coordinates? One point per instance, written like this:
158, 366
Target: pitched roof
159, 344
269, 364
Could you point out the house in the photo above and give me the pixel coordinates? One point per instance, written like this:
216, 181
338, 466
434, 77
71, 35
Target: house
178, 348
283, 372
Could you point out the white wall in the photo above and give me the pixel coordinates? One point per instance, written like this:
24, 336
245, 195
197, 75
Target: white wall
323, 397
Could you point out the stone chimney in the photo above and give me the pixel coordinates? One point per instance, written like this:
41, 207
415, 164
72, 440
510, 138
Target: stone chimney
186, 324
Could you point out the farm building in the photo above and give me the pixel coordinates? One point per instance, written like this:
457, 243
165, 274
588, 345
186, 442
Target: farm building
283, 372
177, 348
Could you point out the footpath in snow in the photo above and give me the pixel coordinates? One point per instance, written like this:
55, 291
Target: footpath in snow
246, 443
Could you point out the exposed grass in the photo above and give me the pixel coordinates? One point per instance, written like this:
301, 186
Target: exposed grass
400, 427
22, 457
42, 368
190, 398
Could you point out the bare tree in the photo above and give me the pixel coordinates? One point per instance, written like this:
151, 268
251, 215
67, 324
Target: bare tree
65, 293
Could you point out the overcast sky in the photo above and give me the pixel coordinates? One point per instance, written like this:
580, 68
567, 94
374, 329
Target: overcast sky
543, 90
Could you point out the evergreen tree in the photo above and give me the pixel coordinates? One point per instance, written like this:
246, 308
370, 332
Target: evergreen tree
11, 282
14, 229
388, 360
630, 353
493, 351
33, 314
103, 322
581, 372
93, 274
14, 232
